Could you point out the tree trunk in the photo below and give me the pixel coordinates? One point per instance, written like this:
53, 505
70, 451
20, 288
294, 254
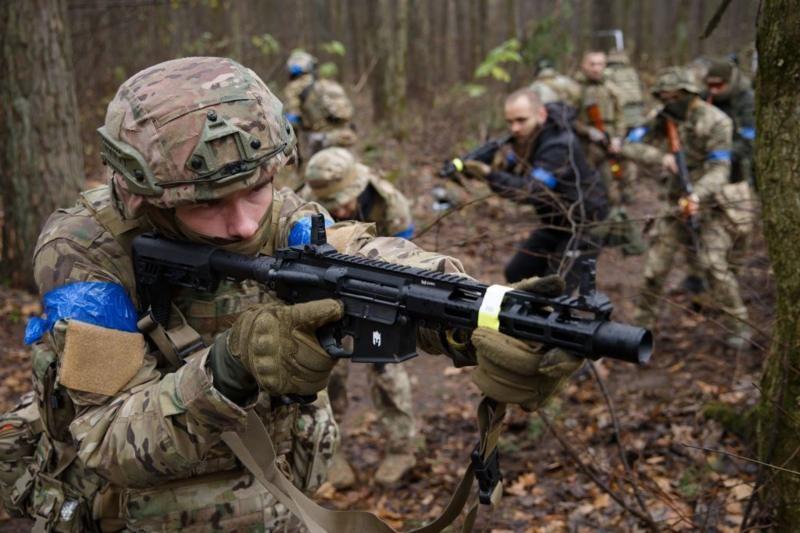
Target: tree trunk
778, 170
42, 163
391, 45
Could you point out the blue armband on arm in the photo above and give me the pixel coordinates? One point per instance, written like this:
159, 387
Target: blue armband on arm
748, 133
719, 155
100, 303
293, 118
545, 177
636, 134
300, 233
406, 233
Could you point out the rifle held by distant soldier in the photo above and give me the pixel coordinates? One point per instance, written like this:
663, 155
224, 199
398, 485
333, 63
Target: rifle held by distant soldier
692, 219
483, 153
596, 118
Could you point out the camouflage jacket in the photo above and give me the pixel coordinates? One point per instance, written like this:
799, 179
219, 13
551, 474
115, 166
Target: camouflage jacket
627, 81
705, 136
739, 105
565, 88
292, 97
606, 95
382, 204
156, 441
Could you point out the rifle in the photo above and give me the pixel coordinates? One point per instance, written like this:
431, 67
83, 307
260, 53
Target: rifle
676, 149
481, 153
384, 303
593, 112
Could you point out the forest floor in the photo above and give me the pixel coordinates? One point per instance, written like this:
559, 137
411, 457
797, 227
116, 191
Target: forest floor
562, 471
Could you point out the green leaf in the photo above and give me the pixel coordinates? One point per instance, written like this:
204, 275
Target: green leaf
328, 70
335, 48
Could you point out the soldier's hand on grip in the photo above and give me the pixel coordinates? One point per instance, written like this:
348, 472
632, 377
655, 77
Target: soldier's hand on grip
476, 169
277, 344
513, 371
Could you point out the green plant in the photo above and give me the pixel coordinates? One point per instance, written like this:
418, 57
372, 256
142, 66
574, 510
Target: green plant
266, 44
494, 64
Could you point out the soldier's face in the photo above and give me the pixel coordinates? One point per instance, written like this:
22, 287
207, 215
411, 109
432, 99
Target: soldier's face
716, 86
235, 217
593, 65
345, 211
523, 118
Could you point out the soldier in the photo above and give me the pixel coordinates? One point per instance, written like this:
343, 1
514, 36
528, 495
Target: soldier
705, 134
544, 166
318, 107
620, 72
601, 122
731, 91
132, 428
551, 86
352, 191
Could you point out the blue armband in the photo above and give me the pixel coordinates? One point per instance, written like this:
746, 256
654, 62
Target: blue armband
100, 303
545, 176
406, 233
719, 155
293, 118
300, 233
636, 134
511, 158
748, 133
295, 70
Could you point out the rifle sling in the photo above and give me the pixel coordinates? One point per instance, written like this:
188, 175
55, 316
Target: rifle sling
255, 451
173, 344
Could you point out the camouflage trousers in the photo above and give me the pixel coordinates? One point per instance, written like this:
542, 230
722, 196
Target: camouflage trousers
670, 236
390, 390
234, 500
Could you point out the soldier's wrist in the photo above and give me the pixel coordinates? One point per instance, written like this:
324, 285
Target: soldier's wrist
231, 377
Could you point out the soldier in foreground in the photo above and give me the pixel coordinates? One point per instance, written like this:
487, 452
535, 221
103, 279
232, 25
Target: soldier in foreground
352, 191
694, 217
132, 419
544, 165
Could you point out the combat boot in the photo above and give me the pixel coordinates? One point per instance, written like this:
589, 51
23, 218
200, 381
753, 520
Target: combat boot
340, 473
393, 467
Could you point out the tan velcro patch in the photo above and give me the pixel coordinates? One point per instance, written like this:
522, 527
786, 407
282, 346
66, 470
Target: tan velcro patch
99, 360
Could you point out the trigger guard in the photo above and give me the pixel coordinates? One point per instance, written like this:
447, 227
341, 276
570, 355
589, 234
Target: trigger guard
326, 335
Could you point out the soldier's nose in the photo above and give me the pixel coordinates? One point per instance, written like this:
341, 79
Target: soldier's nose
240, 224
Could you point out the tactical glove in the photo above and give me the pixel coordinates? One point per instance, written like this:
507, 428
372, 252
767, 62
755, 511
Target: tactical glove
513, 371
476, 169
277, 345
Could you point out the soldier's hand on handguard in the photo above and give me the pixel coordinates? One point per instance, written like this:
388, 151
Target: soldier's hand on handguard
689, 205
276, 344
514, 371
597, 136
476, 169
669, 163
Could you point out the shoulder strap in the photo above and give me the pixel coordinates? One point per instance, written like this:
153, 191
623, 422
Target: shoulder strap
256, 452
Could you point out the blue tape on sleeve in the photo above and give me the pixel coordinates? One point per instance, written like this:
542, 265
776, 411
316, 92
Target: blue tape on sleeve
636, 134
511, 158
293, 118
295, 70
545, 176
748, 133
406, 233
719, 155
300, 233
95, 302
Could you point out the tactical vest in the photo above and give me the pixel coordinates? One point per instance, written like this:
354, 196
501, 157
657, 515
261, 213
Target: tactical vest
325, 103
630, 93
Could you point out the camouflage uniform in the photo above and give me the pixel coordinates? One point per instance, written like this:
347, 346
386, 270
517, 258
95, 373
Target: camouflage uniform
620, 72
705, 136
147, 455
554, 87
334, 178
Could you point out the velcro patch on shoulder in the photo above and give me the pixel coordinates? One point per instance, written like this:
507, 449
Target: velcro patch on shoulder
99, 360
348, 237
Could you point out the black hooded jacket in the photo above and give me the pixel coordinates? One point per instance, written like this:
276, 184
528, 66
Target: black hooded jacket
555, 177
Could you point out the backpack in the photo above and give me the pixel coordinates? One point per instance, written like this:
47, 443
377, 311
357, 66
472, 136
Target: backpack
324, 102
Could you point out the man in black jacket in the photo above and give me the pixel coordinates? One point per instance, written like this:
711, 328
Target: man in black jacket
544, 165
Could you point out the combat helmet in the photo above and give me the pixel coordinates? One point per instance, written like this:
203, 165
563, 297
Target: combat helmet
299, 63
335, 177
675, 79
192, 130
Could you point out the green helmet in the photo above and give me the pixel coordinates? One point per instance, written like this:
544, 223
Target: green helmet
675, 79
335, 177
194, 129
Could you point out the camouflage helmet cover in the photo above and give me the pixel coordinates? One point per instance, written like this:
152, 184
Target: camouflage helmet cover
335, 177
194, 129
300, 62
675, 79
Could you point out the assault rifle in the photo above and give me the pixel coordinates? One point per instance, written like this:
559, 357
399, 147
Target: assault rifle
482, 153
384, 303
675, 147
596, 117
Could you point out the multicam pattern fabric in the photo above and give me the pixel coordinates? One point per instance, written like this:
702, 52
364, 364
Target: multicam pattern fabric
706, 137
566, 90
157, 441
147, 115
606, 95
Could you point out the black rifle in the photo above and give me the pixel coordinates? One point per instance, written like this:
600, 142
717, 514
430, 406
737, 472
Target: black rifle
384, 303
482, 153
674, 140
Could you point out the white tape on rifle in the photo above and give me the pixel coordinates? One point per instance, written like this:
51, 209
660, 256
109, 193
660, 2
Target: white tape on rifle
489, 313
